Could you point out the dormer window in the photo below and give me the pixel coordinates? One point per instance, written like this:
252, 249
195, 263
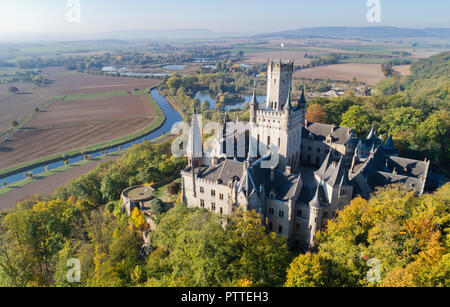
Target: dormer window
343, 193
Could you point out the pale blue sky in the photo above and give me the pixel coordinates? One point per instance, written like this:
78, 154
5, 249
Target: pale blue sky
218, 15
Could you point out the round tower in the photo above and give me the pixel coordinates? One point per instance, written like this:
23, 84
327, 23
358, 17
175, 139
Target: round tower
315, 217
253, 108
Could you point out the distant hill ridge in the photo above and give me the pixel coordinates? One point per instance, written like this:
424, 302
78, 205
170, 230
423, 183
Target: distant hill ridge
360, 32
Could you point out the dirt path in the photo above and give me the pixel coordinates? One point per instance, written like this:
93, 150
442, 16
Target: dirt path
47, 185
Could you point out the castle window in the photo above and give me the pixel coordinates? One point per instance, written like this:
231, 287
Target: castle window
221, 196
213, 207
325, 215
221, 210
309, 148
318, 150
202, 190
202, 203
213, 193
298, 226
271, 211
270, 226
299, 213
343, 193
281, 213
280, 229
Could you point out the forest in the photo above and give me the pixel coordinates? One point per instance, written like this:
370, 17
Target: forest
414, 109
409, 236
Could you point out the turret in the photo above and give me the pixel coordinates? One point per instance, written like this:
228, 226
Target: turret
194, 147
371, 134
253, 108
315, 216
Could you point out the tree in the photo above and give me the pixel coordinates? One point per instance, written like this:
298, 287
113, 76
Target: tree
13, 124
407, 234
157, 206
307, 270
174, 188
358, 119
13, 89
316, 114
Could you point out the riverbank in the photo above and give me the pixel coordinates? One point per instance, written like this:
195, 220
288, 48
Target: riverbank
155, 124
48, 181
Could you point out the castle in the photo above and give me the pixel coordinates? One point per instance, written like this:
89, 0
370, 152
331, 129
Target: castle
320, 168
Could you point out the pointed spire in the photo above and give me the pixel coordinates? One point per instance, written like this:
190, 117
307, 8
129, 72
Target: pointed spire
324, 167
254, 101
389, 143
371, 134
315, 202
344, 180
251, 153
194, 146
302, 99
287, 105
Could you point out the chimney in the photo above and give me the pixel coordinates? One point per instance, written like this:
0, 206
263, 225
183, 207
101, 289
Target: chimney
215, 160
288, 170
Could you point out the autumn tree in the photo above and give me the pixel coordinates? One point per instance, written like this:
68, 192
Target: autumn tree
316, 114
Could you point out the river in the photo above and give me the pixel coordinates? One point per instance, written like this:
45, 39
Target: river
206, 95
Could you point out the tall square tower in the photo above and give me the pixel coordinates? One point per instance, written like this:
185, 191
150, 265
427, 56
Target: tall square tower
279, 79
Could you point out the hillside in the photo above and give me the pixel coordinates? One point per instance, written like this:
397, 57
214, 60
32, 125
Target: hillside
430, 81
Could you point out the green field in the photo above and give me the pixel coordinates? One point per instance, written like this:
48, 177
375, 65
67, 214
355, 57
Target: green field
89, 96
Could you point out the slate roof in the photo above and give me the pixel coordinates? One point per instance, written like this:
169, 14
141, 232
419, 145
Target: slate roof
224, 171
340, 135
284, 184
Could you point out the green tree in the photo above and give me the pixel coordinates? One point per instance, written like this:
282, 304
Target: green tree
358, 119
307, 270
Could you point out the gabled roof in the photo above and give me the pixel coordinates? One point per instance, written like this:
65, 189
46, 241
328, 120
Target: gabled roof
340, 135
336, 173
224, 172
284, 184
321, 171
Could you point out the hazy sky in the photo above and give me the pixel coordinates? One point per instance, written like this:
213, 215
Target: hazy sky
218, 15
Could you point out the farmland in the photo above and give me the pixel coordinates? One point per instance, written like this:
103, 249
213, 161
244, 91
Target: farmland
69, 125
95, 109
369, 73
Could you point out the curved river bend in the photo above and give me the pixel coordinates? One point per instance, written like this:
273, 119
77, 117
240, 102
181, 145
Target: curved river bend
172, 117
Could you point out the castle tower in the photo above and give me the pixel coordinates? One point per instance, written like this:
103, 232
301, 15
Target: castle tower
315, 217
279, 78
253, 108
194, 150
